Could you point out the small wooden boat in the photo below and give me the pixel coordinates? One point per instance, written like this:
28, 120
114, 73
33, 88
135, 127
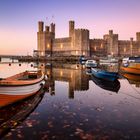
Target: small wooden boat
102, 74
107, 85
131, 68
20, 86
12, 116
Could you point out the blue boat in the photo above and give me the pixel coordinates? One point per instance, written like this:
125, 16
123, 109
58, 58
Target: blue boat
102, 74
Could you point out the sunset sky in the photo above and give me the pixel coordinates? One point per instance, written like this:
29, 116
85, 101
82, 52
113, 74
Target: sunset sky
18, 20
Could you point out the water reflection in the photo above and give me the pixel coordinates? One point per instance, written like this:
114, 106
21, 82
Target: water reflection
132, 78
14, 114
72, 73
94, 113
78, 77
107, 85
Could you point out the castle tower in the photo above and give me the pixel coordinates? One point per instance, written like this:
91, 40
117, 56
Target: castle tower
110, 32
112, 42
71, 28
41, 39
40, 26
81, 42
138, 36
47, 29
52, 30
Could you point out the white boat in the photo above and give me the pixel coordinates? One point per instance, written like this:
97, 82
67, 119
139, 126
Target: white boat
91, 63
111, 60
131, 59
20, 86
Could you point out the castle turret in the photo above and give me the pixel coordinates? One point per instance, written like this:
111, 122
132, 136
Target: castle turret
71, 28
131, 39
138, 36
112, 41
110, 32
47, 29
40, 26
53, 28
41, 39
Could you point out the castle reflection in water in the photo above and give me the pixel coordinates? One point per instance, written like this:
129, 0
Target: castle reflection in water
74, 74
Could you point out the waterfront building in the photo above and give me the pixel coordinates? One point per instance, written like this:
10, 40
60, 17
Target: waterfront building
78, 43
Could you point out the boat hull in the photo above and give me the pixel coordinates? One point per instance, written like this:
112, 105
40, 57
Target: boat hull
11, 94
12, 116
109, 76
90, 65
131, 70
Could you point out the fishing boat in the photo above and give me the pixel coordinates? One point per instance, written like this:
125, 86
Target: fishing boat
107, 61
107, 85
131, 59
105, 75
20, 86
90, 64
12, 116
131, 68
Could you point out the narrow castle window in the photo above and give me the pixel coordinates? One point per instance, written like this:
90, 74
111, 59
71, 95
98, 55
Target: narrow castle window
101, 46
61, 46
61, 73
124, 49
48, 46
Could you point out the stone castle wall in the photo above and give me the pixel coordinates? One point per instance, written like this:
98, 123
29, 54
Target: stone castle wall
78, 43
98, 47
61, 46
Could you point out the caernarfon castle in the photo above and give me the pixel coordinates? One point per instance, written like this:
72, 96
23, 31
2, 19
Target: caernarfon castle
78, 43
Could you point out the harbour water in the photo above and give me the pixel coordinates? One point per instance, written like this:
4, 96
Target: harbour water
73, 106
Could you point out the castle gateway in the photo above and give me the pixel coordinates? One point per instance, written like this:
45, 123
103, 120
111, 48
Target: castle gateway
78, 43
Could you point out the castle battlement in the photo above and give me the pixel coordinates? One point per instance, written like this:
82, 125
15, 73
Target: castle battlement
60, 40
78, 43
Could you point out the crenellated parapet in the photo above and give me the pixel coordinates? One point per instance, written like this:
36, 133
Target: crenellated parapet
78, 43
45, 38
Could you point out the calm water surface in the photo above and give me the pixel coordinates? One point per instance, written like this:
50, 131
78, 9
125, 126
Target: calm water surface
74, 106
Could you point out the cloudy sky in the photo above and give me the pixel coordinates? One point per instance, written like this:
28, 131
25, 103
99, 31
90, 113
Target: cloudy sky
18, 20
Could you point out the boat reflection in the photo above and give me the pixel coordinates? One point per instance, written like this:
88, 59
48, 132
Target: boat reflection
14, 114
107, 85
132, 78
76, 76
